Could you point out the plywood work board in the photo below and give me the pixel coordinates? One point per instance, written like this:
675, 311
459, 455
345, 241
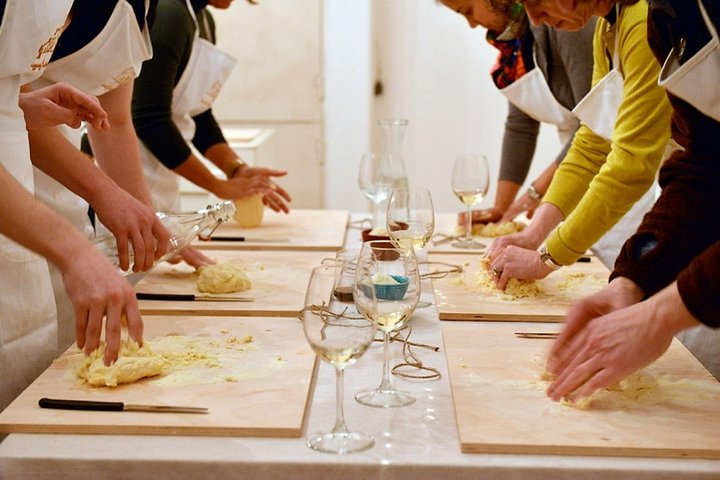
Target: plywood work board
259, 388
501, 405
279, 282
298, 230
464, 297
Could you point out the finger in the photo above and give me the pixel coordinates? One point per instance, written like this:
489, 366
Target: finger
93, 329
134, 321
269, 172
112, 333
149, 239
578, 371
602, 379
503, 279
138, 246
122, 248
162, 239
81, 321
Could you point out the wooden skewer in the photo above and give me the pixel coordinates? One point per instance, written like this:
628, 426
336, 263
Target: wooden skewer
550, 335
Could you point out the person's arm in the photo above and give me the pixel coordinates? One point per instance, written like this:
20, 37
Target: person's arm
130, 221
597, 183
95, 288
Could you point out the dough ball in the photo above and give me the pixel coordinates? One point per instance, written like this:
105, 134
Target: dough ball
222, 278
249, 211
133, 363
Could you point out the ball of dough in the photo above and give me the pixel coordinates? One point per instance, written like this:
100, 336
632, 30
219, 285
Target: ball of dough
133, 363
249, 211
222, 278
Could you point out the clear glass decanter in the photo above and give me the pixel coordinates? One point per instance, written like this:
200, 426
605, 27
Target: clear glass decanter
394, 172
183, 228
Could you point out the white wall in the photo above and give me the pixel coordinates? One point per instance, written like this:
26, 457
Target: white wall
347, 50
435, 73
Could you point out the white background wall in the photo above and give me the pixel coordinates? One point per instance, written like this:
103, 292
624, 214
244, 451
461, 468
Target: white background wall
435, 73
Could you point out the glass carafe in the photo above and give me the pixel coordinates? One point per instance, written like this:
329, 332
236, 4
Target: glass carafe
392, 135
183, 228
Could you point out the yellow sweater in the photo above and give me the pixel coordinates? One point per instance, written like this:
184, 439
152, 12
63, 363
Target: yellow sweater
598, 181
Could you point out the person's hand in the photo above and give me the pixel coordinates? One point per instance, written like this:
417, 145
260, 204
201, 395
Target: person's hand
276, 198
61, 103
98, 292
481, 216
517, 262
522, 204
524, 239
193, 257
619, 293
615, 345
133, 223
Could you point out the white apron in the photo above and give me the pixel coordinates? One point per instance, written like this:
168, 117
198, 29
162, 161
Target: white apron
207, 70
111, 59
28, 332
696, 80
531, 94
598, 110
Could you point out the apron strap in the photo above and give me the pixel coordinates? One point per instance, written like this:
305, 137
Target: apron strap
706, 18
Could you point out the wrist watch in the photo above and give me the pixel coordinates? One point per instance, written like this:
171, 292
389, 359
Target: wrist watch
548, 260
533, 193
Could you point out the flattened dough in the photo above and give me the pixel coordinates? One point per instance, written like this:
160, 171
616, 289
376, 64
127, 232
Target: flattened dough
133, 363
222, 278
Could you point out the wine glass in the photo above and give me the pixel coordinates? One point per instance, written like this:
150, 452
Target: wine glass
338, 337
393, 274
410, 220
470, 183
376, 181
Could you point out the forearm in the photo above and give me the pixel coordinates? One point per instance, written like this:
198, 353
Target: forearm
506, 193
546, 218
699, 284
52, 153
195, 171
223, 157
27, 221
542, 182
116, 150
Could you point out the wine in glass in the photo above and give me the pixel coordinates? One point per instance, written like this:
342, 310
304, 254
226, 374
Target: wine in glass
338, 337
375, 180
410, 220
470, 183
393, 274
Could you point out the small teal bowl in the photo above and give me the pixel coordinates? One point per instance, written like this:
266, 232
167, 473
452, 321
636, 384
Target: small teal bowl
393, 292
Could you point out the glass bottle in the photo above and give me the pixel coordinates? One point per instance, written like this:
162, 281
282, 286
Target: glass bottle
392, 135
183, 228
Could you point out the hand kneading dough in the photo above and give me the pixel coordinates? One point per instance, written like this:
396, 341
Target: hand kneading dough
133, 363
249, 211
222, 278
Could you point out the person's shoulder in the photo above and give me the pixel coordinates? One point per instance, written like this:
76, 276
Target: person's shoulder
634, 15
173, 17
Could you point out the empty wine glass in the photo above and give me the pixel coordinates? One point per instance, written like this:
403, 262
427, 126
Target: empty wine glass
393, 274
375, 181
410, 220
470, 183
339, 337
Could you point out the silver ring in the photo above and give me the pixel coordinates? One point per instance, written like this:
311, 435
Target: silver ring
496, 272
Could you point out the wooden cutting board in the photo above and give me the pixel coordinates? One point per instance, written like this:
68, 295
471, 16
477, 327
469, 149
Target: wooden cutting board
501, 407
261, 388
298, 230
279, 282
462, 297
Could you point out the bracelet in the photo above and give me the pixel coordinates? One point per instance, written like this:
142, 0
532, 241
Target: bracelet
533, 193
237, 164
548, 260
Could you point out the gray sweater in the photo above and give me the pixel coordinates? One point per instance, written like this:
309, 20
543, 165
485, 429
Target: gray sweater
566, 60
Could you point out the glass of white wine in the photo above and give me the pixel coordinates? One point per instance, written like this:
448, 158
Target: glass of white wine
410, 220
340, 337
376, 181
393, 274
470, 183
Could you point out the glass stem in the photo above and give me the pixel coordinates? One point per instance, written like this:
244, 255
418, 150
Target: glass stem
340, 426
376, 215
385, 383
468, 224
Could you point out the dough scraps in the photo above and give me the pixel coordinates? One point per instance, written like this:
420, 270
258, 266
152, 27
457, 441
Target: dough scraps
134, 362
222, 278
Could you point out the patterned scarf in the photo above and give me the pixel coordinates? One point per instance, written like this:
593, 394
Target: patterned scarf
511, 63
